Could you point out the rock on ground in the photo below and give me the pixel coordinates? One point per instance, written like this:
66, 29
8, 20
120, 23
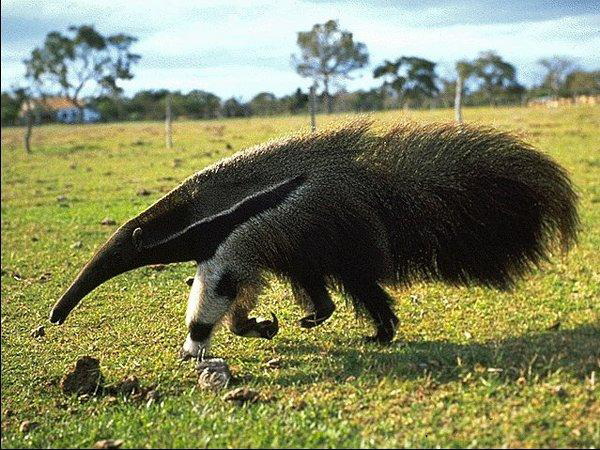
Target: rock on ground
213, 373
85, 378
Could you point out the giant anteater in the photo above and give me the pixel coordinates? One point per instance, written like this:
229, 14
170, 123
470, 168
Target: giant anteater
351, 208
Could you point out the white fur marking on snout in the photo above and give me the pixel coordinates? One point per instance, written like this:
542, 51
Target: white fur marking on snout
193, 305
204, 305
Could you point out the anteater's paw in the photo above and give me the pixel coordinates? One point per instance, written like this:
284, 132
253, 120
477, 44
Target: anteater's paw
385, 332
192, 349
267, 328
316, 318
184, 355
382, 339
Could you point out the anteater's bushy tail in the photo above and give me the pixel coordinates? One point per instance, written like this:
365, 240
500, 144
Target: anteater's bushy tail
471, 205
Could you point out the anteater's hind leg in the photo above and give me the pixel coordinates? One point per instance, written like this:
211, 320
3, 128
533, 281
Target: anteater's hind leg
377, 303
310, 293
238, 321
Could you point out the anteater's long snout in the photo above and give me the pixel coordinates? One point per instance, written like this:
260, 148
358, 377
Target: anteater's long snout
113, 258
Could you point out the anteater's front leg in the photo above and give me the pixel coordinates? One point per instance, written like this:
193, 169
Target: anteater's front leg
213, 291
218, 292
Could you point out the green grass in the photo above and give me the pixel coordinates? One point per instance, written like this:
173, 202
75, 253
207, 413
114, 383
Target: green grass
470, 367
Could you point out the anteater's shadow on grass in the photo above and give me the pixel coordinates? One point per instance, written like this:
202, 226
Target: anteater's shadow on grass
535, 355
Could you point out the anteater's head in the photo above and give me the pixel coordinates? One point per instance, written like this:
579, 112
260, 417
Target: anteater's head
172, 230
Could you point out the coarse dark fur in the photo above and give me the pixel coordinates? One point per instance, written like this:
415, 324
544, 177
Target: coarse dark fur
355, 209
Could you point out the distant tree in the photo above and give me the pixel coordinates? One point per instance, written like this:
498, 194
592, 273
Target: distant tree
202, 105
496, 75
447, 92
150, 104
83, 59
11, 106
412, 78
371, 100
327, 55
234, 108
581, 82
557, 69
298, 101
265, 104
111, 107
31, 108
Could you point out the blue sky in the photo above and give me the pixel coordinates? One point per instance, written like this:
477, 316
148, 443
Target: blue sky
240, 48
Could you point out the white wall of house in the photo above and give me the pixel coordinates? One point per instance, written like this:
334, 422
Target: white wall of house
71, 115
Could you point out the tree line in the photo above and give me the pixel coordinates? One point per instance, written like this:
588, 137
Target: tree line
68, 64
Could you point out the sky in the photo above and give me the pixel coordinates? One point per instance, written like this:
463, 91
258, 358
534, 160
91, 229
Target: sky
240, 48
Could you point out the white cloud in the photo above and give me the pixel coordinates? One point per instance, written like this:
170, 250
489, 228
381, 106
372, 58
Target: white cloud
243, 47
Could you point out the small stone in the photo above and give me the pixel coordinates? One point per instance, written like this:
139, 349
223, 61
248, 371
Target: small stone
274, 363
298, 405
213, 373
26, 426
209, 379
45, 277
85, 378
77, 244
60, 405
108, 221
560, 392
153, 395
129, 386
144, 192
241, 395
38, 332
109, 443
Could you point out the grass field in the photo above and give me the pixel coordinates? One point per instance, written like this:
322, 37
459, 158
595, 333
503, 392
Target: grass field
470, 367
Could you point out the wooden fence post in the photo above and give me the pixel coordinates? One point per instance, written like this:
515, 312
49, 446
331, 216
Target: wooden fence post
313, 120
29, 126
458, 99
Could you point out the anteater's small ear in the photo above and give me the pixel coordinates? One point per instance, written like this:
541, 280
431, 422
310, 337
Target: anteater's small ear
136, 237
